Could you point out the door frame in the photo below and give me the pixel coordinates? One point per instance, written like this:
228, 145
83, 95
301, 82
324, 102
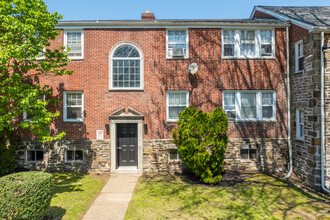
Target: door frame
113, 134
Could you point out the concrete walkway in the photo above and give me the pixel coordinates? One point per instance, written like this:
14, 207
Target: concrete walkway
113, 200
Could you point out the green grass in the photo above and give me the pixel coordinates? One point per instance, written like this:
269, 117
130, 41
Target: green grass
72, 194
258, 197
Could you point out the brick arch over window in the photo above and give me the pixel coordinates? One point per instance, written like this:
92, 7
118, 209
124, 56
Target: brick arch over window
126, 67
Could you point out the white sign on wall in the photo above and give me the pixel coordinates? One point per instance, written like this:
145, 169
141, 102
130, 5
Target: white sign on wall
99, 134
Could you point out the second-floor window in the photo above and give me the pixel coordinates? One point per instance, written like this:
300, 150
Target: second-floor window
126, 67
299, 55
177, 44
73, 106
250, 105
74, 40
248, 43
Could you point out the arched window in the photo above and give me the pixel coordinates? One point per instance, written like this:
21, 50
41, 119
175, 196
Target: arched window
126, 68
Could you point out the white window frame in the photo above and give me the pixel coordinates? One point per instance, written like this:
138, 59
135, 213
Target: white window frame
237, 44
300, 136
249, 150
74, 160
177, 155
167, 103
25, 119
82, 43
258, 104
296, 45
65, 106
43, 56
113, 50
35, 156
186, 56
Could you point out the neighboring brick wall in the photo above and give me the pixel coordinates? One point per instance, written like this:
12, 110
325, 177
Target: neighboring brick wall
160, 74
297, 33
259, 14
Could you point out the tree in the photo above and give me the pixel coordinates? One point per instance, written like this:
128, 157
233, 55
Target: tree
202, 139
26, 28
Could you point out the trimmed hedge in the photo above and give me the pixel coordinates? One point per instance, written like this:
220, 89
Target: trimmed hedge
25, 195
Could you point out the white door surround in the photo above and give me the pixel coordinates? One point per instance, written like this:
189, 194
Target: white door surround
120, 116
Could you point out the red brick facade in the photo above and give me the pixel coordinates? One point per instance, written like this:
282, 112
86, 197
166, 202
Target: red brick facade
259, 14
160, 75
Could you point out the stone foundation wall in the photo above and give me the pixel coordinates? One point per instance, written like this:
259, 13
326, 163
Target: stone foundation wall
272, 155
96, 155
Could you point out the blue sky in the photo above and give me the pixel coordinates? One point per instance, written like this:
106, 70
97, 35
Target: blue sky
166, 9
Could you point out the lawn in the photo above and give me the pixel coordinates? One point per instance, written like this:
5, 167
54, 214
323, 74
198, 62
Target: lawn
73, 193
257, 197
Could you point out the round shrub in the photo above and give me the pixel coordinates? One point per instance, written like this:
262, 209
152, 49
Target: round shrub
25, 195
202, 140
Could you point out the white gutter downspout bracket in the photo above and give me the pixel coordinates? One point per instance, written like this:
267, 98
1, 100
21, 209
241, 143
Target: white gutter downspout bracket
322, 117
288, 97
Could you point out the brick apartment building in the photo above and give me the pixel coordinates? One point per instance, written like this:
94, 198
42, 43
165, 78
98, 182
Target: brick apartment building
131, 79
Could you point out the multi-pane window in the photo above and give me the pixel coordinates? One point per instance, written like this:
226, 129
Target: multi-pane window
126, 68
174, 154
248, 154
34, 155
74, 40
27, 115
300, 124
250, 105
176, 102
228, 43
248, 43
177, 43
74, 155
266, 43
299, 53
229, 104
73, 106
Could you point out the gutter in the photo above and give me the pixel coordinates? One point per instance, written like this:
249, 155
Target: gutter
289, 109
322, 117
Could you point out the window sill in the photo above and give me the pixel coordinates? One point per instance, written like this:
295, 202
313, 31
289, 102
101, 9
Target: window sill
172, 122
41, 161
300, 139
252, 120
73, 121
73, 162
299, 72
174, 160
76, 59
248, 58
126, 90
177, 58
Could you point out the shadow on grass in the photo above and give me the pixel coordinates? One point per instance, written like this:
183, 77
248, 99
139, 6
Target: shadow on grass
259, 196
66, 182
54, 213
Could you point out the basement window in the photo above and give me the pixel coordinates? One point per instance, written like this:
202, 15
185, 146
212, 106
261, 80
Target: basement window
74, 156
174, 154
34, 155
248, 154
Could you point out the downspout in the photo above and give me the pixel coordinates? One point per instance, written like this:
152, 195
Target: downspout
322, 116
288, 97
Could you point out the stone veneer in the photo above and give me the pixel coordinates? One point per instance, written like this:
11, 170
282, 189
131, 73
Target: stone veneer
272, 155
306, 95
96, 155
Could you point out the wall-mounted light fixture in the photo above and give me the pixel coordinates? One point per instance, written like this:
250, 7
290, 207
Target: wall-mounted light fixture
107, 129
193, 68
145, 129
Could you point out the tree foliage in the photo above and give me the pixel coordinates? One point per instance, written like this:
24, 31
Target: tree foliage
26, 28
202, 139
